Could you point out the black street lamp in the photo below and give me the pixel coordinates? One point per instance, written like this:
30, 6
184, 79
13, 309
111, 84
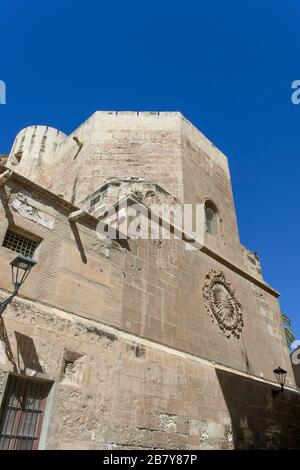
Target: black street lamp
20, 267
280, 375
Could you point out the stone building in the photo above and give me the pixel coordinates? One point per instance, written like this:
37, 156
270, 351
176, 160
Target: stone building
295, 359
134, 344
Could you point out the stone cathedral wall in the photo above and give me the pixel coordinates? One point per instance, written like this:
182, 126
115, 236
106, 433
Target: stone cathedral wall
112, 390
162, 148
145, 343
154, 289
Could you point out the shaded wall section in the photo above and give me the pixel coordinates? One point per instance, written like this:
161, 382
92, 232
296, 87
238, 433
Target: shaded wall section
259, 419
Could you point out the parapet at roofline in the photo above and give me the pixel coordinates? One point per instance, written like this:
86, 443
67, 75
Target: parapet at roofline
154, 114
93, 221
172, 115
168, 117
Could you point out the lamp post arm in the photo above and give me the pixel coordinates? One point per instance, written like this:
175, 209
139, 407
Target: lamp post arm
7, 301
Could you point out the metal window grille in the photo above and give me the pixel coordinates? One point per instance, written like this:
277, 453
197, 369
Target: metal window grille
98, 197
95, 200
19, 243
22, 413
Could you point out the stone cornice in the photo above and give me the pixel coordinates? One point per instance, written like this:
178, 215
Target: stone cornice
240, 271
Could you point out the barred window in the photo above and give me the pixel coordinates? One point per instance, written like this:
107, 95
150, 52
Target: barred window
22, 413
95, 200
98, 195
20, 243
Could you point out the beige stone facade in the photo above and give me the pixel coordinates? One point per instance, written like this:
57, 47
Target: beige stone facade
130, 334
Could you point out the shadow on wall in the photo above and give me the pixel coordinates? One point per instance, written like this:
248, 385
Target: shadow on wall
4, 198
246, 357
6, 343
259, 420
78, 241
26, 353
26, 357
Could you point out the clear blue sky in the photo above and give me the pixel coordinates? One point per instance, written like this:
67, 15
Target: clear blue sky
226, 65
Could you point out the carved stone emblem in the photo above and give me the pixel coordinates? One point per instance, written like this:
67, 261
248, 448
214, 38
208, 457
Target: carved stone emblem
222, 305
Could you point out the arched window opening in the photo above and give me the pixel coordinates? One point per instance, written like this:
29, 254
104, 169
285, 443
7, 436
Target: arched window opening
211, 218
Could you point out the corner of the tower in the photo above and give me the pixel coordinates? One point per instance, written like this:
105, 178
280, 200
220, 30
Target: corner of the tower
197, 139
34, 149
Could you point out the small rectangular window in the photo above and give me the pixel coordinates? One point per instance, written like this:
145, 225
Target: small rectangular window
16, 159
95, 200
98, 195
22, 413
20, 243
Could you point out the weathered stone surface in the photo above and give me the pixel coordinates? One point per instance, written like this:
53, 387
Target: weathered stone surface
121, 328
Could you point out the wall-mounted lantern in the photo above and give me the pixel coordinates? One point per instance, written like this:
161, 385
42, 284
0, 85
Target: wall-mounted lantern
20, 268
280, 375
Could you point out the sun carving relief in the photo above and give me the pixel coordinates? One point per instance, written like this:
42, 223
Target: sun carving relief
222, 305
